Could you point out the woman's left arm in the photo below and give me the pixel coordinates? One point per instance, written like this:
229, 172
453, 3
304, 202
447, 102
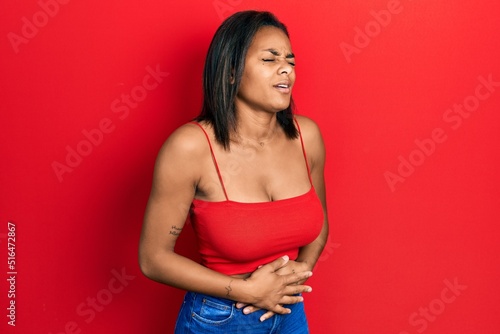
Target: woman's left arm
315, 150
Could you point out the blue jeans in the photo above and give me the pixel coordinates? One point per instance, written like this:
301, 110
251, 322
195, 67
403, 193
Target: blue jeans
203, 314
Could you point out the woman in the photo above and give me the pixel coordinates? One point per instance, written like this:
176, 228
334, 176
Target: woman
256, 200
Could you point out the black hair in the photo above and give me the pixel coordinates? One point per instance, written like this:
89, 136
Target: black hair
223, 70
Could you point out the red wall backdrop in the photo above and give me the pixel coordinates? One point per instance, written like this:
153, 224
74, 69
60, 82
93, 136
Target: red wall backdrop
407, 94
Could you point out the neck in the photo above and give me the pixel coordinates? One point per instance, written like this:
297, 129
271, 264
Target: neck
260, 127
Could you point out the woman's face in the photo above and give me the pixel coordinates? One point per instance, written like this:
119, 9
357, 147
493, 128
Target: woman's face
269, 74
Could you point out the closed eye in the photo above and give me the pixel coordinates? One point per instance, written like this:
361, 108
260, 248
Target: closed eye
271, 60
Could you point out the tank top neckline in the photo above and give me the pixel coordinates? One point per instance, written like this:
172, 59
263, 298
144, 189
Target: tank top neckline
227, 200
261, 203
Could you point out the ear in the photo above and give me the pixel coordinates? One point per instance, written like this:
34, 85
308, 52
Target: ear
232, 79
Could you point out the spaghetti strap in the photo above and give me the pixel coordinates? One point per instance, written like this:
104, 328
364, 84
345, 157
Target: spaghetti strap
304, 151
213, 158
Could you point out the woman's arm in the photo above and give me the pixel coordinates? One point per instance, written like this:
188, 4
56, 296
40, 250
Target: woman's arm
315, 150
177, 173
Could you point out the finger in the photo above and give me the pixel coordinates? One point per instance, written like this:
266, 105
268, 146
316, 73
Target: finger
278, 263
266, 316
240, 305
292, 290
279, 309
297, 277
250, 309
288, 300
285, 270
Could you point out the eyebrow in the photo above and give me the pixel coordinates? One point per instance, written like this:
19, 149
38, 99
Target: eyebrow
276, 53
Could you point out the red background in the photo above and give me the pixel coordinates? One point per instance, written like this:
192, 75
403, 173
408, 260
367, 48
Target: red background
391, 249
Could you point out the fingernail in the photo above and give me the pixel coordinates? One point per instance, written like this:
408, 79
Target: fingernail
286, 258
309, 289
262, 318
245, 311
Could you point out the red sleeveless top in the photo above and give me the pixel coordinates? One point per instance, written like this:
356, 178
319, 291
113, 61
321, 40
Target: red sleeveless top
236, 238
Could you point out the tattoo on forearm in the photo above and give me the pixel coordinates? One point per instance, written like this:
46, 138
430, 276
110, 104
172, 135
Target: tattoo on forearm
175, 230
228, 289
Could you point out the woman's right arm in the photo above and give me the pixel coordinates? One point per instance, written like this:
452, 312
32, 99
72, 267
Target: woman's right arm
177, 174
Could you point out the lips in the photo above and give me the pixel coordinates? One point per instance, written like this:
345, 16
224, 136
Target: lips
283, 86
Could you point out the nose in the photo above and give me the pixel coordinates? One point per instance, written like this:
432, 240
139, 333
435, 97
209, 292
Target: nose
285, 71
285, 67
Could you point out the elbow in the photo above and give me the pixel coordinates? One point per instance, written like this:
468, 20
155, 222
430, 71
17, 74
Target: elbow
146, 264
153, 264
145, 270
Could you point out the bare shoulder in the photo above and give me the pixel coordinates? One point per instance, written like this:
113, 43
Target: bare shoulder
310, 131
313, 141
187, 140
183, 150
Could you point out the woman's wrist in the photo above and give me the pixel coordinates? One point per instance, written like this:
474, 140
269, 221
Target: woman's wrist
308, 265
240, 290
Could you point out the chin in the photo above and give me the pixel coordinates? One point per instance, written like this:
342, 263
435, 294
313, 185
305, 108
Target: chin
282, 105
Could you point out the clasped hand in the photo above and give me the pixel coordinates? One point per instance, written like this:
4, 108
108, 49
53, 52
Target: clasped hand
277, 283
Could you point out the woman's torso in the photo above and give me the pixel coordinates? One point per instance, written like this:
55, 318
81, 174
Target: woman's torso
254, 204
